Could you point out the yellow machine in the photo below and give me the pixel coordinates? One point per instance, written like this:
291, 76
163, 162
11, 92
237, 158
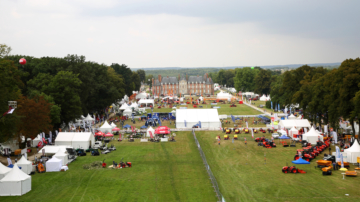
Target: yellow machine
235, 137
226, 137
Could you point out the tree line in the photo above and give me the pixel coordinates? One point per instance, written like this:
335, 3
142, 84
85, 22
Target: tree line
323, 94
51, 91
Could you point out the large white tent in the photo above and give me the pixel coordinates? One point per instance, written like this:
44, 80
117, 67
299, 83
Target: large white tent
312, 136
146, 102
141, 96
209, 118
3, 170
353, 152
26, 166
105, 127
223, 95
150, 129
81, 140
15, 183
298, 123
64, 138
63, 156
53, 165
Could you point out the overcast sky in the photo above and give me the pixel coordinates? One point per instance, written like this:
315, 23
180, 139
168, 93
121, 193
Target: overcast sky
171, 33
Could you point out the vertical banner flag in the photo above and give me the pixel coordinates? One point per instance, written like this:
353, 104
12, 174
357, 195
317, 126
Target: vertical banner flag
271, 105
279, 107
151, 135
247, 125
232, 118
199, 124
252, 133
185, 122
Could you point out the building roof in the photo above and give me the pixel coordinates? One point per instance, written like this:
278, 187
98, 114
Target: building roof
169, 80
195, 79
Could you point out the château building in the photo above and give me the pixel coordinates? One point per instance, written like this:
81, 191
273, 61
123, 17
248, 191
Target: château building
196, 85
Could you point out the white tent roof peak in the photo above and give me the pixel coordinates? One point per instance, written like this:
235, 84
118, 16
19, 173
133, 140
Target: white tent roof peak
4, 169
89, 118
106, 125
354, 148
294, 129
82, 117
54, 159
15, 175
23, 160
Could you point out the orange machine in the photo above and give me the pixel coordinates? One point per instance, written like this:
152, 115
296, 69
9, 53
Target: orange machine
351, 173
41, 168
323, 163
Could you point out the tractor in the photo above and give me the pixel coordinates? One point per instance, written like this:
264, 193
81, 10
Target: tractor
292, 169
226, 137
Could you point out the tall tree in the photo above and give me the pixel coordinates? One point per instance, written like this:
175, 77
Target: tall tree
263, 82
4, 50
34, 115
126, 73
141, 74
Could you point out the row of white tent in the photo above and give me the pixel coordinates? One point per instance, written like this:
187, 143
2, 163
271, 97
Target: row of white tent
106, 127
264, 98
13, 181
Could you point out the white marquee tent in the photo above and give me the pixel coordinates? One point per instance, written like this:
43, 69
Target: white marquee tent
112, 125
26, 166
151, 130
134, 105
53, 165
268, 97
105, 127
292, 117
312, 136
353, 152
64, 138
209, 118
89, 118
146, 102
51, 149
15, 183
141, 96
36, 141
298, 123
63, 156
223, 95
3, 170
81, 140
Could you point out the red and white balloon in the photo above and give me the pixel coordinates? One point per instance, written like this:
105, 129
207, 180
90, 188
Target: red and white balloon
22, 61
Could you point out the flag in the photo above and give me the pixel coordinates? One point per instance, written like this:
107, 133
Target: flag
159, 122
252, 133
232, 118
342, 161
151, 135
199, 124
10, 111
247, 125
185, 122
271, 105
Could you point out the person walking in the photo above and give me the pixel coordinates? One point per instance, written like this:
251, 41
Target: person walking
245, 140
219, 141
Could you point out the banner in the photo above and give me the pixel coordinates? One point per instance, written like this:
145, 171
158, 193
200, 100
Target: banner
271, 105
185, 122
232, 118
151, 135
252, 133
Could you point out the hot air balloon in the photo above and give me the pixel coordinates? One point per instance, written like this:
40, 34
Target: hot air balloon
22, 61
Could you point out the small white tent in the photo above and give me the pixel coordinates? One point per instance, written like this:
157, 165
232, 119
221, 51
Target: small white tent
64, 138
292, 117
353, 152
312, 136
223, 95
268, 97
293, 132
141, 96
112, 125
127, 112
135, 106
15, 183
150, 129
53, 165
89, 118
81, 140
3, 170
124, 106
36, 141
26, 166
63, 156
50, 149
263, 98
105, 127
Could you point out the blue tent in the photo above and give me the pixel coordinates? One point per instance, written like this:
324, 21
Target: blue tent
12, 165
300, 161
284, 137
143, 127
127, 126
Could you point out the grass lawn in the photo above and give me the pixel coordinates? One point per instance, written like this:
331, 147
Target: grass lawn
171, 171
240, 109
242, 174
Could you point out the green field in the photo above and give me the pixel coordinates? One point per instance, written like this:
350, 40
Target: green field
241, 109
171, 171
242, 174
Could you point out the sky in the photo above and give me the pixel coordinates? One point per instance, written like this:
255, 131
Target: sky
172, 33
